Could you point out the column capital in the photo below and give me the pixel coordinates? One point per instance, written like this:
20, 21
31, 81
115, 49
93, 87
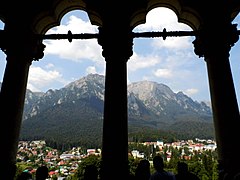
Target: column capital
215, 40
118, 43
25, 45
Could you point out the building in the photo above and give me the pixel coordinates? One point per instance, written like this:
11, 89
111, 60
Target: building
25, 25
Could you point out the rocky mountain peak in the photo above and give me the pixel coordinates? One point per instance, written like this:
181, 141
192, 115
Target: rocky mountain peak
145, 90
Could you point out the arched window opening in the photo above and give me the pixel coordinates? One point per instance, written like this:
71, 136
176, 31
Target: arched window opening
56, 81
168, 97
171, 62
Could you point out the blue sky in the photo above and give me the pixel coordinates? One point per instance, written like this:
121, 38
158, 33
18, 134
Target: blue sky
171, 61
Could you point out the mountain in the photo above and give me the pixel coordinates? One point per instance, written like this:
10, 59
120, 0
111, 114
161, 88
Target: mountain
74, 113
165, 105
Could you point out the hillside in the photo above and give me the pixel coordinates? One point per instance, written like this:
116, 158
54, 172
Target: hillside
74, 113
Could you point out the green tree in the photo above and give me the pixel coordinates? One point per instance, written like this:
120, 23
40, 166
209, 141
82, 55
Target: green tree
208, 162
132, 165
215, 171
175, 156
90, 160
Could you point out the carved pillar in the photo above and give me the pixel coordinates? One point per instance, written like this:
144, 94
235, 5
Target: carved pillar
215, 47
20, 50
116, 49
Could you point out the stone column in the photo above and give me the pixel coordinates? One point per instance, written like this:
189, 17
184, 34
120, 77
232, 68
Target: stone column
20, 51
116, 49
215, 48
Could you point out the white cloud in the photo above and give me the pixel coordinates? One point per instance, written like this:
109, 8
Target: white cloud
40, 78
49, 65
163, 73
174, 43
91, 70
191, 91
78, 50
137, 61
160, 18
75, 25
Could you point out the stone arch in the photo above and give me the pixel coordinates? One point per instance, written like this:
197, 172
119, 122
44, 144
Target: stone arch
51, 18
184, 13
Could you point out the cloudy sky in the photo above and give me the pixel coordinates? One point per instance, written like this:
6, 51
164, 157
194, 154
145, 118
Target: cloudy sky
171, 61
